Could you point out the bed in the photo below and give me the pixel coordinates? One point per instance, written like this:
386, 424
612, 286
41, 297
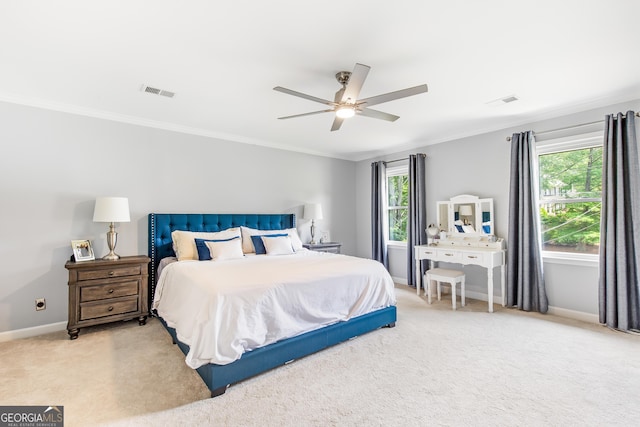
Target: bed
226, 363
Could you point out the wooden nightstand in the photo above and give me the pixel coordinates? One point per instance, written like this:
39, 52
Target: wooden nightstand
333, 247
107, 291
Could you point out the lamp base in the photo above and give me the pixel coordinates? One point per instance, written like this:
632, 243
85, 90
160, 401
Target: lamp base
313, 233
112, 239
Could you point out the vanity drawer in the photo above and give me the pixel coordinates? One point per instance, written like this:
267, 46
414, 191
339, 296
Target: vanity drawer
474, 258
447, 255
427, 253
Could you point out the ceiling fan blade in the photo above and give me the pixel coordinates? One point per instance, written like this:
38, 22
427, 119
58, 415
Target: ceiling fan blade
303, 95
337, 122
368, 112
379, 99
356, 80
304, 114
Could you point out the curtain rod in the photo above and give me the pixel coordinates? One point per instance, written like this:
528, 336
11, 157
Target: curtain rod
572, 127
406, 158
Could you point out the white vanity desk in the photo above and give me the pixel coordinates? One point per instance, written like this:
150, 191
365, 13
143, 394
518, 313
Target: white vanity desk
474, 250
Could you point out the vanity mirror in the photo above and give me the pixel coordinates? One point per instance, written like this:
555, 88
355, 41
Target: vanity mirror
466, 215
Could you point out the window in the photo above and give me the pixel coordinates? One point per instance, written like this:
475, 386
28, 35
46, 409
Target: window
397, 203
570, 173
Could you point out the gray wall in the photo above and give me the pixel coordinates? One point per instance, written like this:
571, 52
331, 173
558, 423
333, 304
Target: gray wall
54, 164
479, 165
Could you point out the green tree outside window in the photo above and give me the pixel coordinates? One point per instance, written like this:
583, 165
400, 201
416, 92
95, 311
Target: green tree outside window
398, 206
571, 199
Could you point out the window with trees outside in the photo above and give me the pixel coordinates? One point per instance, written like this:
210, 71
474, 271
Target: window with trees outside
397, 203
570, 173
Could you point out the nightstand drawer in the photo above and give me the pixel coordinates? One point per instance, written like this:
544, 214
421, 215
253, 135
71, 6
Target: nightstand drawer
106, 273
108, 308
109, 290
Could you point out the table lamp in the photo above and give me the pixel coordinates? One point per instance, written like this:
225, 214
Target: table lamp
313, 211
111, 210
466, 211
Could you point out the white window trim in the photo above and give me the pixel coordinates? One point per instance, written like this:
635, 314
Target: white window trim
557, 145
395, 171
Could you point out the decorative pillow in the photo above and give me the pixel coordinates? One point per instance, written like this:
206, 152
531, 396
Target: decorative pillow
225, 249
203, 250
279, 245
184, 243
248, 245
459, 228
259, 246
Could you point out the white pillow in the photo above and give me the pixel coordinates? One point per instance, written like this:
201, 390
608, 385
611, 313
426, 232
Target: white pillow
226, 249
295, 239
247, 244
280, 245
184, 242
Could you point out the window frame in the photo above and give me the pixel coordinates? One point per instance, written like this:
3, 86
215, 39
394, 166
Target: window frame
390, 172
559, 145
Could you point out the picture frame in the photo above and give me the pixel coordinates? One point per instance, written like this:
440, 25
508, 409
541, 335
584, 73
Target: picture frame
82, 250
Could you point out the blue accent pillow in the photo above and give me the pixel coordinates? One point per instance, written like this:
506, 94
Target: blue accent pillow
459, 228
486, 229
257, 242
203, 251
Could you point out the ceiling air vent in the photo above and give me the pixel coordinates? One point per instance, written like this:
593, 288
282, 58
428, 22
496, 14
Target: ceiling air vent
156, 91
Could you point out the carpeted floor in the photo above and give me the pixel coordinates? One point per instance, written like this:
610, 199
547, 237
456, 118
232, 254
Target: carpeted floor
436, 367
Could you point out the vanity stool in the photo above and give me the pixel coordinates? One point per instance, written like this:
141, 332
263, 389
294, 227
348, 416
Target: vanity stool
452, 277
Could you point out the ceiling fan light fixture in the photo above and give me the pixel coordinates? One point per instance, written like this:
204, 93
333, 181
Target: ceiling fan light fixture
345, 112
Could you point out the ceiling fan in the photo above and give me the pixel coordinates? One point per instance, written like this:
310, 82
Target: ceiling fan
346, 103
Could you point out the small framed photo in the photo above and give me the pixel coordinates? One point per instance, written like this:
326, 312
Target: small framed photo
82, 250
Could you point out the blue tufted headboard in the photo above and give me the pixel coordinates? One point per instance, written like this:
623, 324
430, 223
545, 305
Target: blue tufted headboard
161, 226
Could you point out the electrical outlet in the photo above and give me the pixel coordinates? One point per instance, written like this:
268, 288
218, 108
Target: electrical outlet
41, 304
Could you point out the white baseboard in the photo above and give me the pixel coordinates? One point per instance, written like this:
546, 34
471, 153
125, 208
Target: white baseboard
576, 315
399, 280
556, 311
32, 332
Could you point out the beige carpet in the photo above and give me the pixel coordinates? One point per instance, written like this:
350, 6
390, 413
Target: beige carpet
436, 367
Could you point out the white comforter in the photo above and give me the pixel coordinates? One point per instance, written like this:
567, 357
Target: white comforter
222, 309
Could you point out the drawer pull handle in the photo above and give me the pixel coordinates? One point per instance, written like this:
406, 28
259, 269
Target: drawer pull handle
473, 256
111, 273
110, 291
110, 308
448, 254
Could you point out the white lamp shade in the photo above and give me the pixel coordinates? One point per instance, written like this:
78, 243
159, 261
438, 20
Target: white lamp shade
312, 211
111, 209
465, 210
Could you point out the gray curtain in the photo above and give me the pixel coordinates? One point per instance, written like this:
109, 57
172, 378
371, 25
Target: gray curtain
379, 213
525, 282
417, 221
620, 225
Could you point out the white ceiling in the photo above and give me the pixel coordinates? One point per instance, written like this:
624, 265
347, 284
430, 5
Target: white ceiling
222, 59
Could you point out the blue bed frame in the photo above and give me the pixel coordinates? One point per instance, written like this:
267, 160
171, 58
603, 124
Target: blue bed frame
219, 377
